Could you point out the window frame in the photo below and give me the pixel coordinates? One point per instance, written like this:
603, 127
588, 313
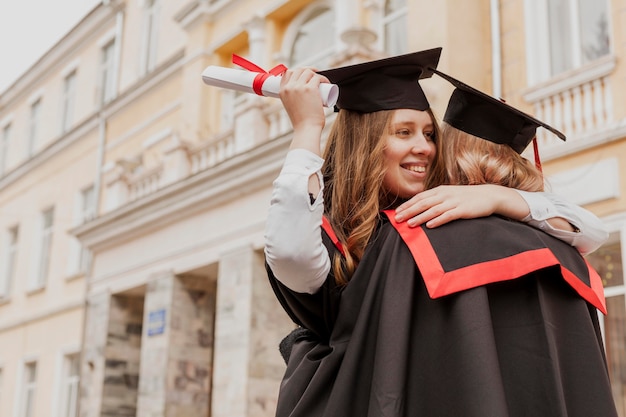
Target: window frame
68, 101
537, 27
9, 258
386, 20
293, 30
149, 36
5, 140
33, 126
44, 239
69, 385
28, 389
107, 70
87, 213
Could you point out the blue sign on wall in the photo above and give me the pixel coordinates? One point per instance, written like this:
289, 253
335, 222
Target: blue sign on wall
156, 322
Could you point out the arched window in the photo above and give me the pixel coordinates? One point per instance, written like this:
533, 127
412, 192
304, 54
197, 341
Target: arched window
314, 39
395, 27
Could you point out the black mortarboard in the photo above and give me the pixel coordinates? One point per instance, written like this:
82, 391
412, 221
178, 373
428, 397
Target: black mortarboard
384, 84
479, 114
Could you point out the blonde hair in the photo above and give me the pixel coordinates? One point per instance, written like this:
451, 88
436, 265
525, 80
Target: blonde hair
470, 160
353, 173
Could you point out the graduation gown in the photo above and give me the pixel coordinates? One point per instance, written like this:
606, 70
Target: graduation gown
525, 343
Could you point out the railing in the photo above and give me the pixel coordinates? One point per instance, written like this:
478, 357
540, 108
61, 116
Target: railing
144, 183
132, 183
277, 120
578, 103
212, 153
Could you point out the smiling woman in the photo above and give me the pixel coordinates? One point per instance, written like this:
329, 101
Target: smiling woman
343, 273
409, 150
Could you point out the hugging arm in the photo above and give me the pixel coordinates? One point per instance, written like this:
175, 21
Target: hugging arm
546, 211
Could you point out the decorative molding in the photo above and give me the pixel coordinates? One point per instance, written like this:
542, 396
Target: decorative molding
35, 95
50, 151
613, 133
157, 138
226, 181
199, 11
44, 314
192, 13
69, 68
6, 120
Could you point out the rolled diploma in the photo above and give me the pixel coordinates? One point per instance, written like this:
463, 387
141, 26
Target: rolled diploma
241, 80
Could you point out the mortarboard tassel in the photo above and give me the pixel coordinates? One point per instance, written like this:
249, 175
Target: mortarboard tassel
536, 150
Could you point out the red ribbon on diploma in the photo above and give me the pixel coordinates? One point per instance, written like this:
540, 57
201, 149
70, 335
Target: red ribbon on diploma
257, 84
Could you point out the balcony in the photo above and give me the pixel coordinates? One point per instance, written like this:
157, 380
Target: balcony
579, 104
256, 121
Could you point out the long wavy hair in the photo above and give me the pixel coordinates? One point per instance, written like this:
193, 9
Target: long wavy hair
470, 160
353, 171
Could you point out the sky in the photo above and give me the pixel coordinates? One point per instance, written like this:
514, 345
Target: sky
29, 28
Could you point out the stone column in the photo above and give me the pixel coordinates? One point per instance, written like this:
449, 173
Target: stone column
251, 125
121, 368
176, 351
92, 363
110, 366
347, 17
256, 40
176, 161
249, 324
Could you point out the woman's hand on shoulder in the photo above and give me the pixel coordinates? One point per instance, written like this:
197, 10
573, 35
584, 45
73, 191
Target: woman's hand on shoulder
446, 203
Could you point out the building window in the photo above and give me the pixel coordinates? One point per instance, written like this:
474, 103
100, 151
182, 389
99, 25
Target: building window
566, 34
4, 147
88, 212
395, 27
107, 72
7, 271
29, 385
69, 97
609, 263
69, 385
33, 126
149, 36
315, 39
45, 242
84, 210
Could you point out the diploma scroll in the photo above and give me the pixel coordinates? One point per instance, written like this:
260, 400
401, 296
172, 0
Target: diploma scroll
242, 80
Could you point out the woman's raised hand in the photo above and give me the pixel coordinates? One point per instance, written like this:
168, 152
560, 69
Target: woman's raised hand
299, 93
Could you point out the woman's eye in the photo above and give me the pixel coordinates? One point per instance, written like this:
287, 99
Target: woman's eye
403, 132
429, 135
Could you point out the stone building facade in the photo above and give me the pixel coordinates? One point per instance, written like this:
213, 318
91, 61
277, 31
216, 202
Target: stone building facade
133, 196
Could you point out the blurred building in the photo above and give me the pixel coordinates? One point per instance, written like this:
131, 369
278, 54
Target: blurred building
133, 196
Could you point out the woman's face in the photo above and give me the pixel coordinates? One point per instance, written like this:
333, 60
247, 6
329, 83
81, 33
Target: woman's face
409, 151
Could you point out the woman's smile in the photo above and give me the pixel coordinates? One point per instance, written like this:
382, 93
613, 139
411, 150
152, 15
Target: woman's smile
409, 151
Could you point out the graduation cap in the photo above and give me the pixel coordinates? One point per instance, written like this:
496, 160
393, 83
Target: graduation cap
479, 114
384, 84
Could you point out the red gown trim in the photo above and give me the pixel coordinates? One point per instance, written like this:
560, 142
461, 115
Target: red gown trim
331, 233
440, 283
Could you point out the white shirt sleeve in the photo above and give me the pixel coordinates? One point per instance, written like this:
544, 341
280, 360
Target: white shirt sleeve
591, 232
293, 242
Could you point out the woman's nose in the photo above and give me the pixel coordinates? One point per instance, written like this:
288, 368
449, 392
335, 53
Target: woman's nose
421, 145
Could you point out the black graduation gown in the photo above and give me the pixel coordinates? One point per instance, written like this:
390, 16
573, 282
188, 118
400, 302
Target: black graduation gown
526, 345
